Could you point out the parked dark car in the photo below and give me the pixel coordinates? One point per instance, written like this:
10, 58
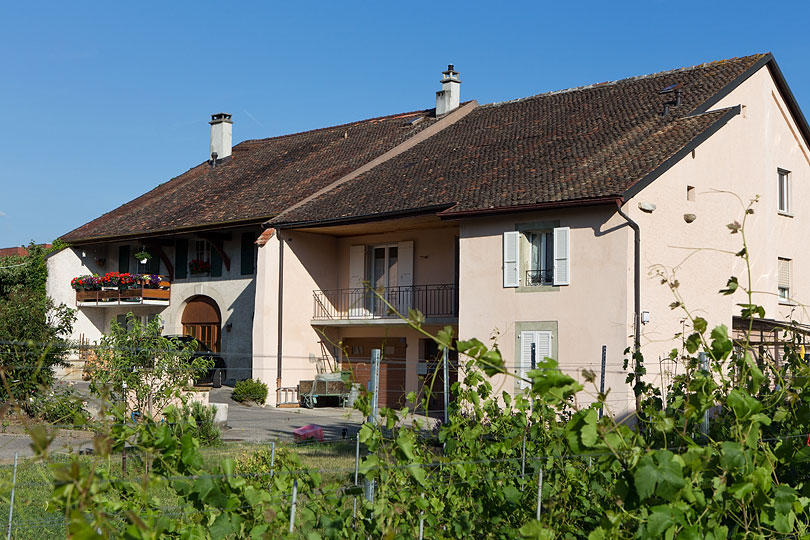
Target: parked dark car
217, 374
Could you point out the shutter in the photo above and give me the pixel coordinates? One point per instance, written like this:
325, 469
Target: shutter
153, 265
404, 276
526, 339
356, 297
181, 259
784, 273
542, 347
562, 256
123, 259
511, 252
216, 263
246, 266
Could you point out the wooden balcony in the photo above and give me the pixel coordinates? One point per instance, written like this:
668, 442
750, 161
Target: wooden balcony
126, 297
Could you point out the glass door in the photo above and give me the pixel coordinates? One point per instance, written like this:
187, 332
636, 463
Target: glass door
382, 274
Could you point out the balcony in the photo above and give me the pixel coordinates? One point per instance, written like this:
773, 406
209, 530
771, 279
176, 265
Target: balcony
126, 297
438, 303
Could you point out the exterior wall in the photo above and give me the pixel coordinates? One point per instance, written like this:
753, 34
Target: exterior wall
594, 310
233, 293
321, 262
433, 254
740, 160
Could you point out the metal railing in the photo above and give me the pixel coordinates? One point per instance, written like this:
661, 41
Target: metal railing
536, 278
434, 301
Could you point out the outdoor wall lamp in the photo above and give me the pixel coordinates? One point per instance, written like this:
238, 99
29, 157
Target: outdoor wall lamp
645, 317
228, 327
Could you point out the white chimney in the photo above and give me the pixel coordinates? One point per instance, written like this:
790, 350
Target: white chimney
447, 99
221, 136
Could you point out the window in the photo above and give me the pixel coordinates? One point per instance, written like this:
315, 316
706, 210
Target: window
202, 251
536, 257
540, 269
783, 286
784, 191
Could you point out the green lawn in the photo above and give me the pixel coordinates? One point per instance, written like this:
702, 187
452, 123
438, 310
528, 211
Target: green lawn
35, 481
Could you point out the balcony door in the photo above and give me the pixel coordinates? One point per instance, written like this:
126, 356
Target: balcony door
388, 269
382, 275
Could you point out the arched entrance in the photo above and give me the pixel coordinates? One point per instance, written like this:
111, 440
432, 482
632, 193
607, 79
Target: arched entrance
202, 321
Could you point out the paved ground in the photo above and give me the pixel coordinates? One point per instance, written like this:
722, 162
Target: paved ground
245, 423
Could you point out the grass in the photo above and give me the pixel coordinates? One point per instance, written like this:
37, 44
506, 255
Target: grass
34, 483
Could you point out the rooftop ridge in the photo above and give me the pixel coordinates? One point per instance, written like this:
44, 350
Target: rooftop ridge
626, 79
394, 116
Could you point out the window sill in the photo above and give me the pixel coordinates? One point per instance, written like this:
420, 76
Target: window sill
537, 288
785, 214
787, 303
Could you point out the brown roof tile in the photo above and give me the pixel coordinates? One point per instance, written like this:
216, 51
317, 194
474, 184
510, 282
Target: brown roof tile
574, 145
263, 178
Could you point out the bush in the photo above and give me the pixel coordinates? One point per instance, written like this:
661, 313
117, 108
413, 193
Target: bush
250, 390
63, 406
208, 431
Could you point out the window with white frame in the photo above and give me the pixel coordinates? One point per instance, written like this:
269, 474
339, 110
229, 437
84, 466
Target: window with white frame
533, 258
783, 286
784, 191
202, 250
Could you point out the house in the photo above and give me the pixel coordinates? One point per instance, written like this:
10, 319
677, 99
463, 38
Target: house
200, 230
545, 223
20, 251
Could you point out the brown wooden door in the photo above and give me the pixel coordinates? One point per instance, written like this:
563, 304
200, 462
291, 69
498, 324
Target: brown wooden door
201, 320
357, 359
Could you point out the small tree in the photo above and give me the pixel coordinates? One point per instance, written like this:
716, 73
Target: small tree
155, 369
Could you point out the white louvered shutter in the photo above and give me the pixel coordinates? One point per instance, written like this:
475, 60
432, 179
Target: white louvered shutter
784, 273
542, 344
562, 256
357, 271
526, 339
511, 254
405, 276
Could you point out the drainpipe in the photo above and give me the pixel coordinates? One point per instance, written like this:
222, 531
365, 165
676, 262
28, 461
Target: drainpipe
636, 285
280, 314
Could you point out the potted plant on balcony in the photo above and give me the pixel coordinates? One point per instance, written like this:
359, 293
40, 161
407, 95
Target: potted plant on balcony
143, 256
85, 283
149, 281
197, 266
110, 281
127, 281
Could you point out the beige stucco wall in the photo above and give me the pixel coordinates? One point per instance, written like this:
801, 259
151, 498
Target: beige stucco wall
233, 293
321, 262
592, 311
741, 158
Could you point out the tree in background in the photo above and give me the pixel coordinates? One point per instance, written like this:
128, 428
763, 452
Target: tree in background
33, 330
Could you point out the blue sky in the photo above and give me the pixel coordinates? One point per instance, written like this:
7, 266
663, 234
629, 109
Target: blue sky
104, 101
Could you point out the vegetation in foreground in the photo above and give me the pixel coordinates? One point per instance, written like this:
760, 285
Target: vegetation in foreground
741, 475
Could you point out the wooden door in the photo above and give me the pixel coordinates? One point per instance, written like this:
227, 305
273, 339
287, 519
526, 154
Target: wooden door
357, 359
201, 320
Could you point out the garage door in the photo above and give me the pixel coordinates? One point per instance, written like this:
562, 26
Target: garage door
357, 359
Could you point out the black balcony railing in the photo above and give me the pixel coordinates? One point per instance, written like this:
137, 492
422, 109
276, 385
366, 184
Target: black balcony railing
434, 301
535, 278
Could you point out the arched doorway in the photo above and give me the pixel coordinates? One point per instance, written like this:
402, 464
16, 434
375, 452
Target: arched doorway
202, 321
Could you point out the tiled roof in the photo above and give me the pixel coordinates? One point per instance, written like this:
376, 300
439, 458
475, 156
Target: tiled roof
263, 178
581, 144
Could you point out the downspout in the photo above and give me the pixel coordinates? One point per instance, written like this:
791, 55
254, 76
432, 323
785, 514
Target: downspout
636, 288
280, 314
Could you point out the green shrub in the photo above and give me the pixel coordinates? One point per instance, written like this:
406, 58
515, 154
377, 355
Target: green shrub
62, 406
250, 390
208, 431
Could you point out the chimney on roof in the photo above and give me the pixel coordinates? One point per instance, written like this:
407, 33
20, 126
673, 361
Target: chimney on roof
221, 136
447, 99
